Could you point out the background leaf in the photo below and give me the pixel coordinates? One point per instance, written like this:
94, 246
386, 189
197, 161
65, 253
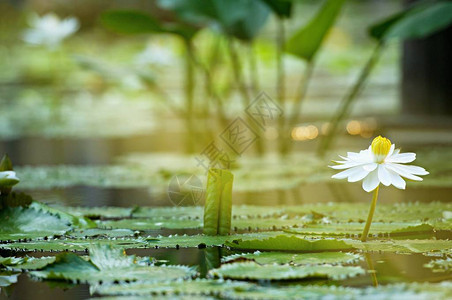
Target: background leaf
418, 22
307, 40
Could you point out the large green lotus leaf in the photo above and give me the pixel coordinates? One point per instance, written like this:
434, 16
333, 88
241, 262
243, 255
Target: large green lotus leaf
26, 263
108, 264
352, 212
254, 271
75, 221
151, 224
81, 244
341, 229
193, 288
402, 246
172, 241
440, 265
290, 243
393, 292
184, 223
204, 240
190, 212
295, 258
29, 223
100, 233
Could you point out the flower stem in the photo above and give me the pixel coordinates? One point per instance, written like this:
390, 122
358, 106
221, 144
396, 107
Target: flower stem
371, 215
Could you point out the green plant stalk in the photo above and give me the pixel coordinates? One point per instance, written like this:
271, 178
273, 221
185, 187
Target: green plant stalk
238, 76
346, 104
299, 97
371, 215
281, 83
254, 78
189, 97
218, 205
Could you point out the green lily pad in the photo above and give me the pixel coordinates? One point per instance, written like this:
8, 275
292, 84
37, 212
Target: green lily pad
342, 229
198, 287
254, 271
37, 221
28, 222
397, 291
295, 258
108, 264
290, 243
26, 263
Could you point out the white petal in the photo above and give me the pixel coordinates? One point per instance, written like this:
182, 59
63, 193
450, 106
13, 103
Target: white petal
346, 165
401, 158
371, 182
396, 180
383, 175
346, 173
415, 170
370, 167
358, 175
402, 171
391, 150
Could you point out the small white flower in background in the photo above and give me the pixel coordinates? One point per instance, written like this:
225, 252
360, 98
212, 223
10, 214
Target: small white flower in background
49, 30
155, 55
8, 179
380, 163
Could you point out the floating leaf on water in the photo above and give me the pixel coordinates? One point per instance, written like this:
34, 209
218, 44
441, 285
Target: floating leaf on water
254, 271
290, 243
295, 258
191, 287
26, 263
342, 229
108, 264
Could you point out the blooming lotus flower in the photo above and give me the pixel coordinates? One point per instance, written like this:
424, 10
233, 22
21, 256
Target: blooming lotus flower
50, 30
380, 163
8, 179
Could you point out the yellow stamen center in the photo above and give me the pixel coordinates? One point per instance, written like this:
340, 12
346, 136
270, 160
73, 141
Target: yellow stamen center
381, 147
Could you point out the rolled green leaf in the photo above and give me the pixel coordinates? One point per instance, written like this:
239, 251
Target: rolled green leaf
218, 206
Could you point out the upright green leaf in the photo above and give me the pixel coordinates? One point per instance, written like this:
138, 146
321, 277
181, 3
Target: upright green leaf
283, 8
218, 206
422, 22
129, 22
307, 40
239, 18
135, 22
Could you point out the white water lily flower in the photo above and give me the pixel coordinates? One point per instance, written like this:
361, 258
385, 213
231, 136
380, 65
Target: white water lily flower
49, 30
8, 178
155, 55
380, 163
